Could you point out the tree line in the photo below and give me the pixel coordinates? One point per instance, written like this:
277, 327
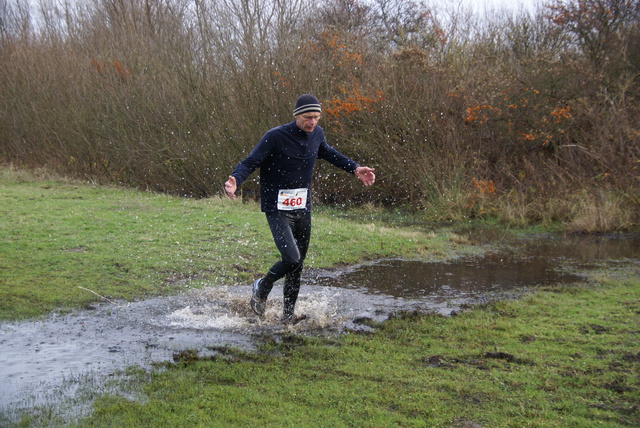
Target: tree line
521, 114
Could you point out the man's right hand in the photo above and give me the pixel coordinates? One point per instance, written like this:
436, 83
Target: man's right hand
230, 187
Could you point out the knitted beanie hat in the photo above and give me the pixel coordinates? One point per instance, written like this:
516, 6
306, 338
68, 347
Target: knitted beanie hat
305, 104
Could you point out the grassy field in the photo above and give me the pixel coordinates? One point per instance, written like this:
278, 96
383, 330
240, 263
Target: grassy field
560, 357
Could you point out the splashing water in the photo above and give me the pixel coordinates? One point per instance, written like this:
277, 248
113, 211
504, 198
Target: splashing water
226, 308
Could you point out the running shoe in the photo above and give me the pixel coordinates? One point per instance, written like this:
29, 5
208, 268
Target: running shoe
290, 319
257, 304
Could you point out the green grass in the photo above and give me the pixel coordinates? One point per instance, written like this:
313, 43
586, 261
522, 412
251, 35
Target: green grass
559, 357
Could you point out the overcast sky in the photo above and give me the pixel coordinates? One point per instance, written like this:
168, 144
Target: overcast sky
481, 5
504, 3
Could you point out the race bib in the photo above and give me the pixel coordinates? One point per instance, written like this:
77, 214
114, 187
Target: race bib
292, 199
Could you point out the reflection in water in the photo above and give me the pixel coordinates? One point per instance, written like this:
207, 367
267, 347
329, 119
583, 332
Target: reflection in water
494, 274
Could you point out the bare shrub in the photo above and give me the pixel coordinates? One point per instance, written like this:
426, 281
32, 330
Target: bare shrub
169, 95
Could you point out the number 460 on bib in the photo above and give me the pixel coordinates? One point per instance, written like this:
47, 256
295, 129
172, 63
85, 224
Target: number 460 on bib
292, 199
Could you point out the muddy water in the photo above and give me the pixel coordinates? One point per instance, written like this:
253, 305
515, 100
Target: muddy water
526, 262
47, 360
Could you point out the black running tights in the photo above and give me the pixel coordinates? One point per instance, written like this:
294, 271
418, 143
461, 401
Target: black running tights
291, 232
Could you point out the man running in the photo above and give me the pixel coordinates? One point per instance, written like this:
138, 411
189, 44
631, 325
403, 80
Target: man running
286, 156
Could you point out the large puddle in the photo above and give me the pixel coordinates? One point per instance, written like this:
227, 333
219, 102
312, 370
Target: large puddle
42, 361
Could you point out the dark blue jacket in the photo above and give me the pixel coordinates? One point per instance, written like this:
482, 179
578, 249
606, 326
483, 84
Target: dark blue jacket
286, 156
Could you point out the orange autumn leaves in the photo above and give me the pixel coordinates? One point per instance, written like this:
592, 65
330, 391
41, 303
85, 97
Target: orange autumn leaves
349, 98
525, 114
350, 102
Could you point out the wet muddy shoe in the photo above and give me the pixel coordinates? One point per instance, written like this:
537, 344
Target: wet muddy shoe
257, 304
292, 319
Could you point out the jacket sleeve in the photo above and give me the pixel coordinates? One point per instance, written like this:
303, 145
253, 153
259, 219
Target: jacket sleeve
336, 158
253, 161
